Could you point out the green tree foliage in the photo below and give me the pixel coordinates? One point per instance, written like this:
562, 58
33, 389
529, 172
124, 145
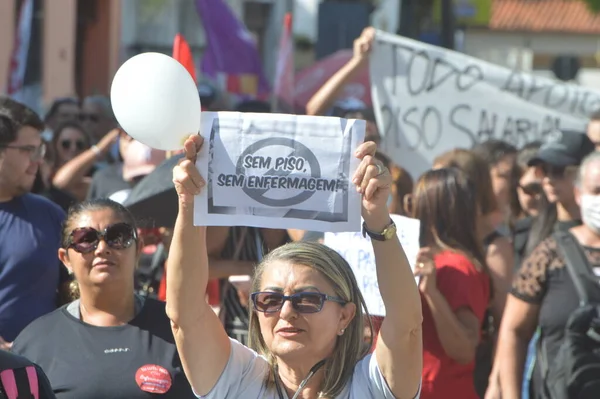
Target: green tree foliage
593, 5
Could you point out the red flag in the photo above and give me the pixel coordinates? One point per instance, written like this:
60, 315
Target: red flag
283, 90
183, 54
18, 61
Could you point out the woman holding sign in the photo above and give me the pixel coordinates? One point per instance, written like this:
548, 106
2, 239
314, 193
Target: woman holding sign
306, 327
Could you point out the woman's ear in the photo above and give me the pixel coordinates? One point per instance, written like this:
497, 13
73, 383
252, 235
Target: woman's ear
348, 313
138, 249
63, 256
577, 194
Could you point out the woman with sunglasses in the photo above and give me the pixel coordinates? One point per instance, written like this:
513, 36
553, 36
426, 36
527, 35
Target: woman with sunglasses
68, 141
306, 318
75, 175
527, 198
108, 343
539, 299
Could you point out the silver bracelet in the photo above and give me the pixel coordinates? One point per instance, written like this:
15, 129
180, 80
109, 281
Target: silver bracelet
96, 150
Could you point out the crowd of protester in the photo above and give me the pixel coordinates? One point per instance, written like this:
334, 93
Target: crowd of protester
93, 306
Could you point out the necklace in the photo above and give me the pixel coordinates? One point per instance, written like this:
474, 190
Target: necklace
312, 372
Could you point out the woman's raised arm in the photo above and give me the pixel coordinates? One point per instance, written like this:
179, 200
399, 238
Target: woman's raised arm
201, 340
399, 348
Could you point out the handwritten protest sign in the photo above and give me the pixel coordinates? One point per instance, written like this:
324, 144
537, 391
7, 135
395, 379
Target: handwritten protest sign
429, 100
279, 171
358, 251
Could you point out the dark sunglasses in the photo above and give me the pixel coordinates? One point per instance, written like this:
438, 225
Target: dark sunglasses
67, 144
531, 189
302, 302
90, 117
117, 236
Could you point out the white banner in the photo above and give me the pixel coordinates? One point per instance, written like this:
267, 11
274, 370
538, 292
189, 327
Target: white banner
429, 100
358, 252
279, 171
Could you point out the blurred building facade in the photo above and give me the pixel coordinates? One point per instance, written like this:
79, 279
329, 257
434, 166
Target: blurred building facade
77, 45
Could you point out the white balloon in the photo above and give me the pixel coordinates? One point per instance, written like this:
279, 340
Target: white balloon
156, 101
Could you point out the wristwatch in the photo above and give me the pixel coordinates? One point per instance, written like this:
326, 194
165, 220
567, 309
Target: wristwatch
386, 234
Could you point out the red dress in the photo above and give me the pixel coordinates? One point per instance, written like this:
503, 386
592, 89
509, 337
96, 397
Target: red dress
463, 286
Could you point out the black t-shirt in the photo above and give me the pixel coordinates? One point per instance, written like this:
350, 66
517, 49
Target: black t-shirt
521, 236
544, 280
134, 361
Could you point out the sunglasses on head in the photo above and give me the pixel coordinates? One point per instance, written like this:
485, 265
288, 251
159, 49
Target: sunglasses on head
531, 188
67, 144
117, 236
302, 302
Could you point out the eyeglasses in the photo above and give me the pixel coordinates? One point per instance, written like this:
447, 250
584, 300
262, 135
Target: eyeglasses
35, 153
90, 117
302, 302
117, 236
531, 188
67, 144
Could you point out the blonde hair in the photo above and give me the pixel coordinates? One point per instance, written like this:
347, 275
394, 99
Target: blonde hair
350, 346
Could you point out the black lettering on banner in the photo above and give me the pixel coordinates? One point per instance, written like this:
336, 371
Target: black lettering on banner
431, 116
522, 129
514, 84
487, 125
390, 123
566, 97
472, 72
456, 121
421, 54
416, 129
563, 96
435, 72
435, 80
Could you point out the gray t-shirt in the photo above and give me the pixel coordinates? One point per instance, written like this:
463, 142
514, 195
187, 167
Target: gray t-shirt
246, 371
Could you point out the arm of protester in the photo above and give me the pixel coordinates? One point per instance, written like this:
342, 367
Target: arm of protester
399, 350
201, 340
457, 300
76, 169
296, 235
500, 260
5, 345
517, 328
324, 98
521, 314
493, 390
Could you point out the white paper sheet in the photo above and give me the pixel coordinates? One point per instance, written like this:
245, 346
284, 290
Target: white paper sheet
279, 171
358, 252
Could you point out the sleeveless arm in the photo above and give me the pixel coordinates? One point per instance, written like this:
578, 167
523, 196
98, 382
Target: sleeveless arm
201, 340
399, 349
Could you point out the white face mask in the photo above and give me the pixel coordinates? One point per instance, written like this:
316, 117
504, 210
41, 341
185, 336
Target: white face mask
590, 211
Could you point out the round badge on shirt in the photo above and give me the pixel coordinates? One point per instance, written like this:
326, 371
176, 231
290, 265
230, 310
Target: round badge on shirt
153, 378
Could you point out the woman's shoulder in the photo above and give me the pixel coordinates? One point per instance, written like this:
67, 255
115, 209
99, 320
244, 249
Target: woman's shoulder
42, 329
455, 260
